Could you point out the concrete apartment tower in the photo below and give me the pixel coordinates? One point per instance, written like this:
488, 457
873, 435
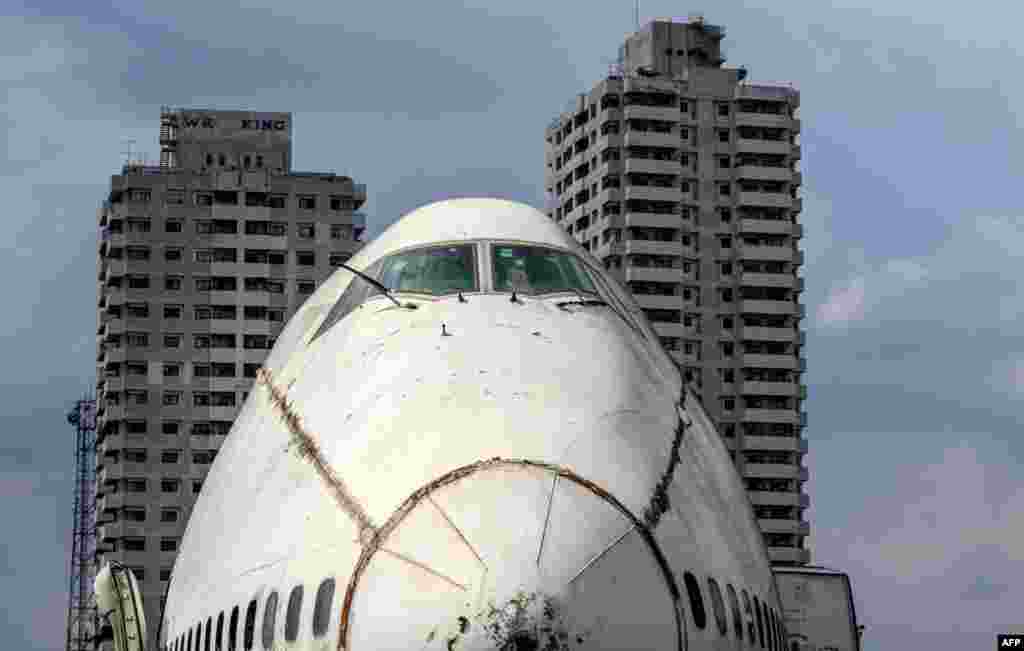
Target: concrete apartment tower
681, 178
202, 260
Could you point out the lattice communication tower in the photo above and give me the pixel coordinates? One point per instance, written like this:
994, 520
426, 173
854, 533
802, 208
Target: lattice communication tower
83, 621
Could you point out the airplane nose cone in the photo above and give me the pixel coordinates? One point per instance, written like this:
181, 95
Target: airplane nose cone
511, 555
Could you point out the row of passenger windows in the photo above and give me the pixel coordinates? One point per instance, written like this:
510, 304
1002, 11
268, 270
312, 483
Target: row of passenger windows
209, 637
763, 626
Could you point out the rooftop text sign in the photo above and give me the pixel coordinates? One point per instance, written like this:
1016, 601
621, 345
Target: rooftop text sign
212, 122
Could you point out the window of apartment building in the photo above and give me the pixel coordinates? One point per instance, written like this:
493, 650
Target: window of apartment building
168, 544
271, 285
342, 203
729, 430
217, 227
174, 196
170, 456
216, 255
305, 258
137, 310
727, 348
173, 283
135, 455
338, 259
165, 575
726, 268
685, 187
725, 242
135, 368
137, 253
684, 134
135, 485
723, 162
197, 485
174, 226
168, 485
725, 214
724, 189
170, 515
173, 254
249, 370
216, 284
266, 228
305, 286
201, 399
307, 231
173, 311
684, 105
135, 426
723, 135
140, 339
727, 323
265, 256
172, 341
170, 427
204, 198
138, 225
133, 544
726, 294
171, 398
728, 375
203, 457
257, 342
307, 201
723, 109
134, 514
222, 369
728, 403
115, 253
138, 281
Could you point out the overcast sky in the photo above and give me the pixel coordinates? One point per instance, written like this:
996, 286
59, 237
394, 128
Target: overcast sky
914, 243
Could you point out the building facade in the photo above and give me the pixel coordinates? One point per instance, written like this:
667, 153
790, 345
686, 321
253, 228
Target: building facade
682, 179
202, 260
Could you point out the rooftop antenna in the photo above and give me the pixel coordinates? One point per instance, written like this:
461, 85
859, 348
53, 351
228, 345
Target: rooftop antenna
127, 149
636, 14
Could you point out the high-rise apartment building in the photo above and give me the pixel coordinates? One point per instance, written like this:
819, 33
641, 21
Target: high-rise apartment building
202, 260
682, 178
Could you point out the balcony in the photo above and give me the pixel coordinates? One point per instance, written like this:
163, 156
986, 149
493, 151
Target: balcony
769, 253
653, 193
608, 194
754, 146
658, 302
668, 329
750, 279
651, 220
788, 362
768, 199
774, 471
768, 226
662, 113
652, 139
772, 120
798, 527
770, 388
606, 140
772, 415
759, 173
775, 443
789, 555
773, 498
652, 166
654, 274
768, 307
651, 247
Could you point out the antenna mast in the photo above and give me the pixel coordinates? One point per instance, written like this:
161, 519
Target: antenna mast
83, 621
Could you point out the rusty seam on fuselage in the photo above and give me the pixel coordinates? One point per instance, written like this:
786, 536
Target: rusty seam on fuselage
659, 499
455, 475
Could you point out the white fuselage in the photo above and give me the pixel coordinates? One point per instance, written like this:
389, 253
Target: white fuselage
475, 473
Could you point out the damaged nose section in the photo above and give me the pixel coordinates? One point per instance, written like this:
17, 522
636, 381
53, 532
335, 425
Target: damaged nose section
512, 555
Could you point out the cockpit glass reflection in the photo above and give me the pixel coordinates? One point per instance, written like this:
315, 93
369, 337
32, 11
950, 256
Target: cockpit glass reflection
537, 270
437, 270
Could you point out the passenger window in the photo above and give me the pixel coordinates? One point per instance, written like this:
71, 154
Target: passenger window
233, 630
206, 638
718, 607
775, 630
220, 631
322, 610
700, 618
188, 642
734, 605
199, 635
536, 270
269, 615
250, 626
437, 270
760, 624
751, 633
291, 620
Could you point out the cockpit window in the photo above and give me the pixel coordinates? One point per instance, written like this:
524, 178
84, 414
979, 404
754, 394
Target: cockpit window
437, 270
537, 270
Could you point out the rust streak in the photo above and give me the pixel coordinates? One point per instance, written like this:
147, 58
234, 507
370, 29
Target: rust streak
310, 451
457, 531
425, 568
